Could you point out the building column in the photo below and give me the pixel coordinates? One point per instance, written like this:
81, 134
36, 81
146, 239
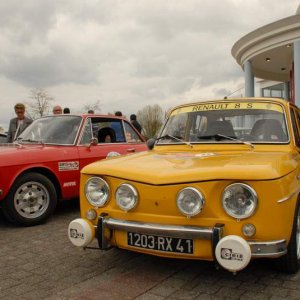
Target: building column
286, 90
297, 72
249, 79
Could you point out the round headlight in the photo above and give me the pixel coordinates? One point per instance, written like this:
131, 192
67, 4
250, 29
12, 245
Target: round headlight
97, 191
239, 200
126, 196
190, 201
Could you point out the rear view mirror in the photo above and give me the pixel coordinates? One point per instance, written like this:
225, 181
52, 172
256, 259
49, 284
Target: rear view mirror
151, 143
93, 142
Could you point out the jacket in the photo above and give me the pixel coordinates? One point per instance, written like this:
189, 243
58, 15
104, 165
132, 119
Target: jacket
12, 133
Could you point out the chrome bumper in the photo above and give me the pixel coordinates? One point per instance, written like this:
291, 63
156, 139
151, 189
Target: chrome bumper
258, 249
268, 249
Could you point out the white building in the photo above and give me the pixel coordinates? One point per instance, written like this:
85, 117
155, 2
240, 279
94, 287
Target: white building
272, 53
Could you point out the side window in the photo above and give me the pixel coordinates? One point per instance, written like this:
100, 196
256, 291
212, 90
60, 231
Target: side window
131, 135
106, 130
297, 114
87, 133
116, 125
295, 127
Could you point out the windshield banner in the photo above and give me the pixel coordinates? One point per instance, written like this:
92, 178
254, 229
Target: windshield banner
227, 106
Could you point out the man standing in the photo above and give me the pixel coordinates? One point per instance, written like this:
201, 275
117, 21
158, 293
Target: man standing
18, 124
67, 110
57, 110
135, 123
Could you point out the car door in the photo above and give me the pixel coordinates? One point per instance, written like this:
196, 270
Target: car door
126, 139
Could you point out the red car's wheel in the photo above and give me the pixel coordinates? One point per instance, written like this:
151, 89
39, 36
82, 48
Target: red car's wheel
31, 200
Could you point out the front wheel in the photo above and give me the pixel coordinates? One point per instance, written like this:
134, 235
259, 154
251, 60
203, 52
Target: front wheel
290, 262
31, 200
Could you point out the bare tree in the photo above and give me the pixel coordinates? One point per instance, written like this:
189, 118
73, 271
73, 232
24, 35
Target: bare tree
40, 104
151, 119
96, 106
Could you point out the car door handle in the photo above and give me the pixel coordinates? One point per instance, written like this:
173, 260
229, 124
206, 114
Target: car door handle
131, 150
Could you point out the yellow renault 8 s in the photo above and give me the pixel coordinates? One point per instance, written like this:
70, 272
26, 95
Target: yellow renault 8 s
220, 183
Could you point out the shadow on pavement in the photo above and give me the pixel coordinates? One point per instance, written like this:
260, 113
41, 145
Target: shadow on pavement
67, 207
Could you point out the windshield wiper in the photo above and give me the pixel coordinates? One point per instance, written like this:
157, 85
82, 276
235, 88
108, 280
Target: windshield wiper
218, 137
168, 136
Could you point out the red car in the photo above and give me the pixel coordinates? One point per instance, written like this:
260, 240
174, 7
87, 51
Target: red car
43, 165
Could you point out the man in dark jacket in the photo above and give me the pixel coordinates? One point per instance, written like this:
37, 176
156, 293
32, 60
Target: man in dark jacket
18, 124
135, 123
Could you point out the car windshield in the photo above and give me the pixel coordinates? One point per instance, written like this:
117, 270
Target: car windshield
52, 130
226, 122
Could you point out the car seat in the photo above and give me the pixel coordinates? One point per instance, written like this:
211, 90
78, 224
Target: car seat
268, 130
104, 132
220, 127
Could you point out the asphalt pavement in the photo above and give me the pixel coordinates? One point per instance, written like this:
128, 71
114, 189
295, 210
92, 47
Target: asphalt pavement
40, 263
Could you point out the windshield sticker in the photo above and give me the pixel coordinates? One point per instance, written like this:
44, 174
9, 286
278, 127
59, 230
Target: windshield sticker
68, 166
228, 105
185, 155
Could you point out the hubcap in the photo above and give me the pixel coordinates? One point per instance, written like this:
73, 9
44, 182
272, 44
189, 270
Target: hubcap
31, 200
298, 234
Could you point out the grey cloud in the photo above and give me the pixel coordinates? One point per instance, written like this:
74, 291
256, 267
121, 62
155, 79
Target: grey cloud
134, 52
153, 66
50, 69
24, 20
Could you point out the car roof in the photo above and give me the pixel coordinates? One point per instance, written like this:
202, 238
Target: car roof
87, 115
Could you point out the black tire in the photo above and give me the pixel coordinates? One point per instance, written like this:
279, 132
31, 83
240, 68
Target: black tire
289, 263
31, 200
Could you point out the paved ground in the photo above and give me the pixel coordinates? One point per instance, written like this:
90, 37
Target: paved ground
40, 263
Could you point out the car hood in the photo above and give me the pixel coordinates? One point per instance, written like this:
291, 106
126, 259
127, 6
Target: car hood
14, 154
175, 167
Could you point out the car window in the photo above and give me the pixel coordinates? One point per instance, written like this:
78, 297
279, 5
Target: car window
106, 130
257, 122
131, 135
61, 130
295, 116
87, 133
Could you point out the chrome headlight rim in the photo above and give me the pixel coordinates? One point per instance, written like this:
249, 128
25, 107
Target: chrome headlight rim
96, 203
253, 194
201, 202
134, 193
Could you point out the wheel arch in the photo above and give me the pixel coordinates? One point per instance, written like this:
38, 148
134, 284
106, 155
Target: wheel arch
47, 173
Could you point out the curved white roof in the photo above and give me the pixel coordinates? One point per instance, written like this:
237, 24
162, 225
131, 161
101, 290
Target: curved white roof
270, 48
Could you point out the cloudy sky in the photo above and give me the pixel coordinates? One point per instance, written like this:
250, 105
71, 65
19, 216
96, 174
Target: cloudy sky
125, 54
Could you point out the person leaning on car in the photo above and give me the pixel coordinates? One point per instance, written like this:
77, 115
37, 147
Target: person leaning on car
18, 124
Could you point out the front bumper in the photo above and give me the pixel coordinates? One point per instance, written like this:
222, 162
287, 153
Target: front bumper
268, 249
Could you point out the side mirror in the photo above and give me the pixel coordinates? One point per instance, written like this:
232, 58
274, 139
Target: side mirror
93, 142
151, 143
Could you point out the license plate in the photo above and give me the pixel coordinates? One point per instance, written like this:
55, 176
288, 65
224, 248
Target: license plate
160, 243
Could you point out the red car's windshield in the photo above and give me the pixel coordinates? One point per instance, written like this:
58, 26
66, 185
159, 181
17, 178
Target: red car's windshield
52, 130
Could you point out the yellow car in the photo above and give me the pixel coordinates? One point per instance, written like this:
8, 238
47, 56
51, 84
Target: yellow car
220, 183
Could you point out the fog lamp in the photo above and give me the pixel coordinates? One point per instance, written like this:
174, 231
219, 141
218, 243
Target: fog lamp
91, 214
249, 230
